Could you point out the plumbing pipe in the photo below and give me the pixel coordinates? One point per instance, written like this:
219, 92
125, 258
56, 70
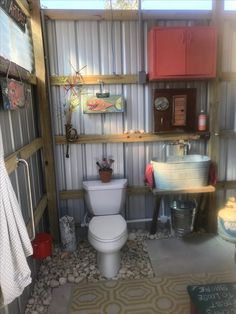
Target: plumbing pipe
138, 220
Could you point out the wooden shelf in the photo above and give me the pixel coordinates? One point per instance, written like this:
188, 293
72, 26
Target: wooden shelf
134, 137
159, 193
94, 79
227, 133
16, 71
193, 190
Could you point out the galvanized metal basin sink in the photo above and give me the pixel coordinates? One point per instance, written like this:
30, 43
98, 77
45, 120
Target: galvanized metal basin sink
181, 172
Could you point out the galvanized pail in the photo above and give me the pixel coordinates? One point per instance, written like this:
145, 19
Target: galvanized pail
183, 216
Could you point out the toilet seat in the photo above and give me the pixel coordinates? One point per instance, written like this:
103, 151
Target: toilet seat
107, 228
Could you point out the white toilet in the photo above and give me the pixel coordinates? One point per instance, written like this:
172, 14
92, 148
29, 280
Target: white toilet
107, 230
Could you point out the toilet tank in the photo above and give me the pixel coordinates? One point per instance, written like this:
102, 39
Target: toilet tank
105, 198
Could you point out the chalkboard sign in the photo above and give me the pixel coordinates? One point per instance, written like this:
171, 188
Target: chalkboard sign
14, 11
217, 298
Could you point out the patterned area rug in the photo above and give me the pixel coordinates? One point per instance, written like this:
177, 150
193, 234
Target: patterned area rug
167, 295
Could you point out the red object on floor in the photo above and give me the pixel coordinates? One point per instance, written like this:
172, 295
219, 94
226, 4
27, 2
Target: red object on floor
42, 245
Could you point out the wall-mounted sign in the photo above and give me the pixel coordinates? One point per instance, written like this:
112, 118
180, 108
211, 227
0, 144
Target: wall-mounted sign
14, 11
113, 103
175, 109
13, 94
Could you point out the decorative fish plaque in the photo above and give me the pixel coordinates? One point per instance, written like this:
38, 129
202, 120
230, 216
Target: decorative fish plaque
93, 104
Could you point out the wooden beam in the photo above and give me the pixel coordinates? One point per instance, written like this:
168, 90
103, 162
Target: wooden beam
228, 134
71, 194
141, 190
78, 194
138, 190
24, 153
133, 138
45, 118
94, 79
24, 5
14, 71
193, 190
40, 209
228, 76
125, 15
226, 185
38, 213
214, 86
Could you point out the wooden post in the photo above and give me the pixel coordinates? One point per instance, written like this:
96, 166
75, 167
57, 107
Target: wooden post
45, 119
214, 97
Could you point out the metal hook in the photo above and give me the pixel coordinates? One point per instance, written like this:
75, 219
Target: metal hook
102, 94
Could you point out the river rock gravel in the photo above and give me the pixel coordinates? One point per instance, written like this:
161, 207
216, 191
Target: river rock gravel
80, 266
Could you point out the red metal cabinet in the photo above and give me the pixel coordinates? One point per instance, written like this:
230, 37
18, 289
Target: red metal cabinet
182, 52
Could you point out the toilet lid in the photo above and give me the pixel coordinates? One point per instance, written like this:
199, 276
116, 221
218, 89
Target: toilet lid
107, 228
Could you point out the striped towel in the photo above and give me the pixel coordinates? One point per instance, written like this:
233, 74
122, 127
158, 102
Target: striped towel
15, 244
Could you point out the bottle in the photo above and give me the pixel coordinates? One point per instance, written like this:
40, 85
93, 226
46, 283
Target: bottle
202, 121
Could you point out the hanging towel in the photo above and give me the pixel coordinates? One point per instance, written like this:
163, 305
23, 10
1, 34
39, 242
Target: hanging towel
15, 244
149, 178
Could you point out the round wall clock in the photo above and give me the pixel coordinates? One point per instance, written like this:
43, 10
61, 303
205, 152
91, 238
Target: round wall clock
161, 103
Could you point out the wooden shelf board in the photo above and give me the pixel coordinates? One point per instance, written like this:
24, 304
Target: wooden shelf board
132, 138
193, 190
94, 79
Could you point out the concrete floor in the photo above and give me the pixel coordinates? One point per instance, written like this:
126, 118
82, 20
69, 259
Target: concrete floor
196, 254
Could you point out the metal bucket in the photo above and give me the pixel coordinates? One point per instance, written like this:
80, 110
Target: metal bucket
183, 216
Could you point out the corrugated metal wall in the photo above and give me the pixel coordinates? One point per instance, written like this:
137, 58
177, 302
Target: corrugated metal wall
107, 47
227, 164
19, 128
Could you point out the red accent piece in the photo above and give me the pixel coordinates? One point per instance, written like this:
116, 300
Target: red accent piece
182, 52
149, 179
42, 246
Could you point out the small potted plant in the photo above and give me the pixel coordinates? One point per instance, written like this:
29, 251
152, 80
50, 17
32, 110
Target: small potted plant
105, 170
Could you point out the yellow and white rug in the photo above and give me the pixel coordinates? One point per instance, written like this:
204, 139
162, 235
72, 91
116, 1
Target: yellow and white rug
167, 295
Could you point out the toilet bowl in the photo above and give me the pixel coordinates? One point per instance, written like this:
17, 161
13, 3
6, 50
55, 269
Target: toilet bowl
108, 234
107, 230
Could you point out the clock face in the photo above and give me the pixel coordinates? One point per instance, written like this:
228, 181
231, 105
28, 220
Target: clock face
161, 103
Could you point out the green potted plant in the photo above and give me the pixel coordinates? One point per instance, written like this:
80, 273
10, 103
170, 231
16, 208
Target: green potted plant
105, 170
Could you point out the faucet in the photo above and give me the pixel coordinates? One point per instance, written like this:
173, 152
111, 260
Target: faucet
185, 146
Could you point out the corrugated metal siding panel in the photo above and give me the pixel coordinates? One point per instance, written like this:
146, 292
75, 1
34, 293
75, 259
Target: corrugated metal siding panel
229, 47
106, 47
227, 165
228, 105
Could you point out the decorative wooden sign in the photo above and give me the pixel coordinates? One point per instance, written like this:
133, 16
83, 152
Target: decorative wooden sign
175, 109
14, 11
14, 95
93, 104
